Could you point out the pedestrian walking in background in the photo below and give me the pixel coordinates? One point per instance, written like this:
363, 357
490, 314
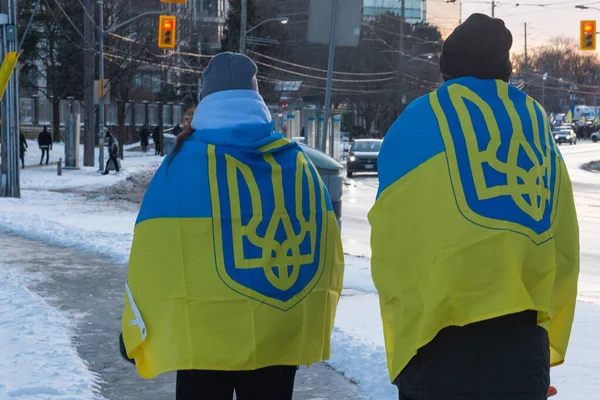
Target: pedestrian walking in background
156, 138
45, 144
144, 138
113, 152
231, 318
22, 148
477, 269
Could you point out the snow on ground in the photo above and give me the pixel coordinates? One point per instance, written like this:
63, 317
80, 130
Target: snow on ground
51, 212
37, 360
36, 177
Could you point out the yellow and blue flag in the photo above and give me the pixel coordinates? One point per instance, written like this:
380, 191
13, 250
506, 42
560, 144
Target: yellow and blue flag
474, 219
570, 116
236, 262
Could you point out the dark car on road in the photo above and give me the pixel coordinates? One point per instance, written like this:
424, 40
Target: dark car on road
363, 156
565, 135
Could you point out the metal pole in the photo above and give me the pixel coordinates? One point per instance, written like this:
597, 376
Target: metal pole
330, 67
493, 9
544, 90
101, 87
11, 123
88, 94
400, 68
243, 25
526, 61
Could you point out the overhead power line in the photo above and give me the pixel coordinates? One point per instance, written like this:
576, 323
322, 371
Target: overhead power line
323, 70
323, 78
70, 20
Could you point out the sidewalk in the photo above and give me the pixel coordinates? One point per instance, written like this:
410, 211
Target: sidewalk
90, 289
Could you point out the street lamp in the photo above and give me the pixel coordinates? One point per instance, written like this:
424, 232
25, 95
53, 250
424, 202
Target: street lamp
244, 34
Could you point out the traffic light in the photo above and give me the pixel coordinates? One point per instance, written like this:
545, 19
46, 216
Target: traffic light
167, 32
587, 33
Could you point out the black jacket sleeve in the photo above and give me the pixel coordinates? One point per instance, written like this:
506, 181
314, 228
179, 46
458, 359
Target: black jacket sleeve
123, 350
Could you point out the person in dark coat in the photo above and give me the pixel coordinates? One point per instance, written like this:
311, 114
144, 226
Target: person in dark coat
156, 139
113, 152
45, 143
144, 138
22, 148
468, 355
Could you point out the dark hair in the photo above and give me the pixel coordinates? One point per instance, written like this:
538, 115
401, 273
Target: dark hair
181, 138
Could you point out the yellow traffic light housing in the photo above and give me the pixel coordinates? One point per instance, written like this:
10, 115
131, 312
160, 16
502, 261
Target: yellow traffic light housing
587, 32
167, 32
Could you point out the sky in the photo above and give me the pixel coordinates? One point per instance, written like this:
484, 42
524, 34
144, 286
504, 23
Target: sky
545, 19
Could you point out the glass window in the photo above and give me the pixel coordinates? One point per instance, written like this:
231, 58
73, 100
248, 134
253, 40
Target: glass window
369, 146
177, 114
167, 115
128, 115
140, 114
45, 107
27, 111
152, 115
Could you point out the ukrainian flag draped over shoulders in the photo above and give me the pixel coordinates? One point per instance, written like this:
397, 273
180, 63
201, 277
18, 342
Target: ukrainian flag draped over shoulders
236, 262
475, 218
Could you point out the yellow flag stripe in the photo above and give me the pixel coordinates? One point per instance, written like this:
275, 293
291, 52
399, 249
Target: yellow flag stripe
8, 66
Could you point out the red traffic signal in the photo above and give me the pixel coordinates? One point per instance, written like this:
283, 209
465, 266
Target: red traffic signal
587, 35
167, 29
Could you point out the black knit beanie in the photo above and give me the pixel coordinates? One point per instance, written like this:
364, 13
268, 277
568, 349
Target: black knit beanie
480, 48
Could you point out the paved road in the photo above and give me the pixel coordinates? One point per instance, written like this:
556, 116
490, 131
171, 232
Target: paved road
91, 288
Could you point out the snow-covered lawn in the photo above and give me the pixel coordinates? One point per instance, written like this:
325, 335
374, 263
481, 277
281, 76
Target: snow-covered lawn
48, 212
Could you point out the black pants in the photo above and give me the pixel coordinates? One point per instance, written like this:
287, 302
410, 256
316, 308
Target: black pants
115, 162
156, 148
45, 151
272, 383
22, 156
403, 397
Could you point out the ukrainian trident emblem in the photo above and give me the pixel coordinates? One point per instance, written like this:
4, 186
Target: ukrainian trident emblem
270, 221
504, 164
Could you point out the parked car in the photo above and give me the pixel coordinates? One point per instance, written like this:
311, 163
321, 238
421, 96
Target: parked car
363, 156
595, 137
565, 135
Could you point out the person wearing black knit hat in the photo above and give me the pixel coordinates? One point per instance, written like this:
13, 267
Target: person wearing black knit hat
477, 278
479, 48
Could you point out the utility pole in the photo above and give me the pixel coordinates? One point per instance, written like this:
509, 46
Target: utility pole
493, 9
329, 86
101, 85
9, 176
526, 61
243, 25
400, 68
89, 71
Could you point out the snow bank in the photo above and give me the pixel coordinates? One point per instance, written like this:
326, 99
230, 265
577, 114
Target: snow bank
37, 361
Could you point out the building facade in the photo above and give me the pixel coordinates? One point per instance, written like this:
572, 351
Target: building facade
414, 10
210, 16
